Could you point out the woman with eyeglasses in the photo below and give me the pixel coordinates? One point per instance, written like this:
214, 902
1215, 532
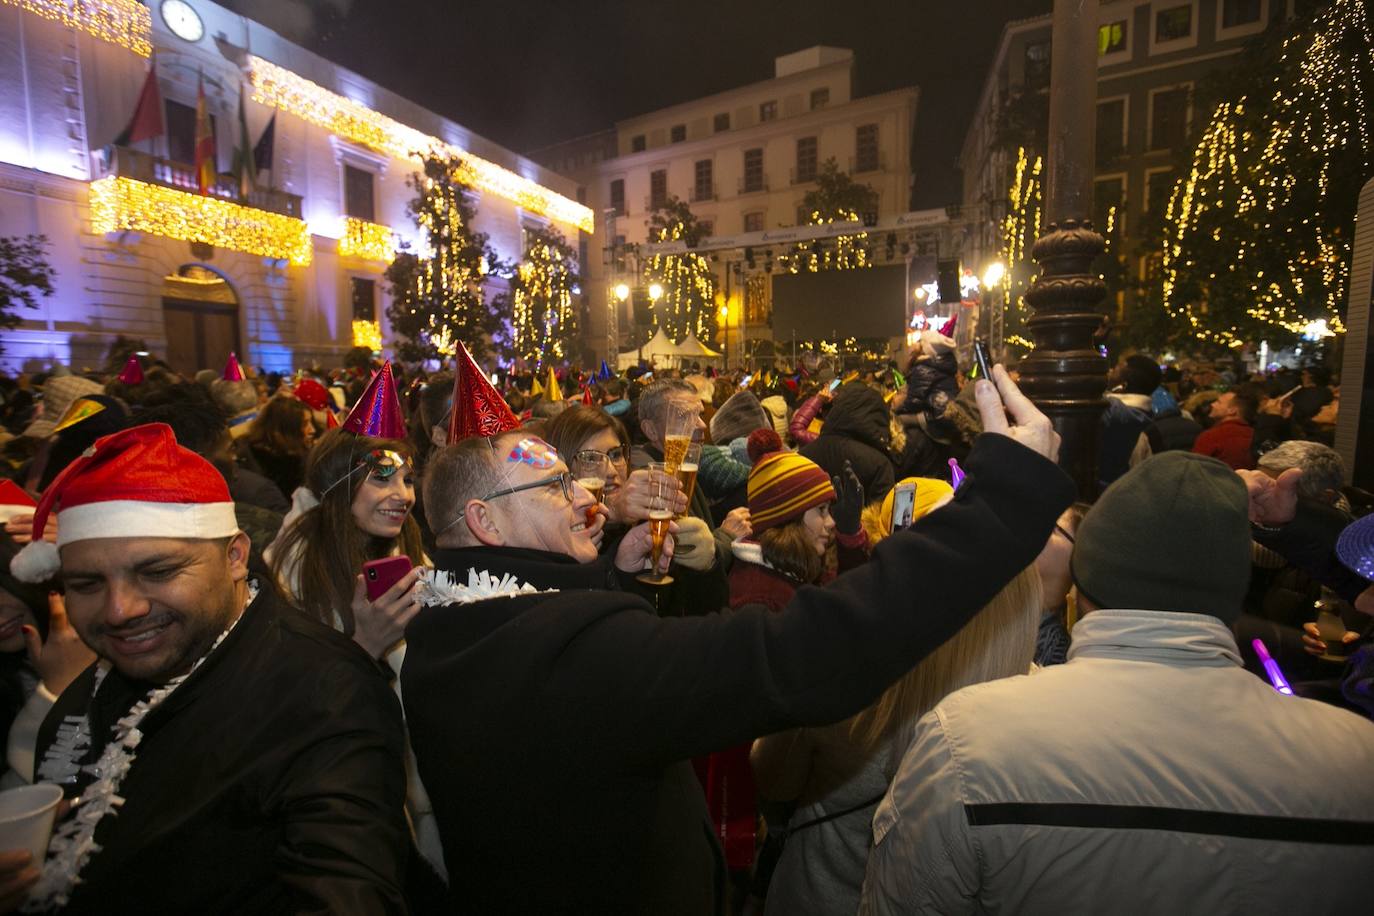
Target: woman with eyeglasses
590, 432
363, 490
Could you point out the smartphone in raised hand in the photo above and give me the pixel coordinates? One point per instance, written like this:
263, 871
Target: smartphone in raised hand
380, 575
981, 359
903, 505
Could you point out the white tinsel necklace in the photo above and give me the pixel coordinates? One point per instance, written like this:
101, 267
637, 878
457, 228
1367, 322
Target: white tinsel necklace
73, 843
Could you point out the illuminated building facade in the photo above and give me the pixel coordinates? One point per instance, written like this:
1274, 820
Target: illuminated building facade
286, 275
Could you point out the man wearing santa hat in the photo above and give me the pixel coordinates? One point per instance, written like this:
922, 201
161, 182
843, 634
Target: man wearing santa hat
257, 750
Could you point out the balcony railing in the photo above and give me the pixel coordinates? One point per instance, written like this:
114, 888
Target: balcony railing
130, 163
703, 192
755, 186
803, 176
874, 163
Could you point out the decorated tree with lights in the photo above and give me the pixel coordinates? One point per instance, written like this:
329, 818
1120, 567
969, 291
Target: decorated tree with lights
836, 198
544, 326
689, 286
1258, 232
439, 296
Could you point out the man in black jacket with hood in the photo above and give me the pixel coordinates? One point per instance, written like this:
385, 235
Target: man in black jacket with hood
857, 429
552, 716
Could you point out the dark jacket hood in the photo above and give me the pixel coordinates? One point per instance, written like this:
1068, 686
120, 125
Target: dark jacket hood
859, 412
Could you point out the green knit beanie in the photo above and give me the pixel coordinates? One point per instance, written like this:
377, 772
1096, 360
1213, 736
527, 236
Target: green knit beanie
1173, 534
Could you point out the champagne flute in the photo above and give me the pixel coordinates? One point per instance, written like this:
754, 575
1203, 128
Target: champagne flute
590, 471
679, 426
662, 491
687, 479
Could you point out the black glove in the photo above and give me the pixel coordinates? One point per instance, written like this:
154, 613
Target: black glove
849, 501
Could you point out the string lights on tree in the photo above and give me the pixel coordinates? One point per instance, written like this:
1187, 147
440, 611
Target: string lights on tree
440, 300
1259, 231
836, 198
544, 326
1020, 228
689, 286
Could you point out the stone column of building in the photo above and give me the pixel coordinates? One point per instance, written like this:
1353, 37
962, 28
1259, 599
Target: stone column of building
1065, 374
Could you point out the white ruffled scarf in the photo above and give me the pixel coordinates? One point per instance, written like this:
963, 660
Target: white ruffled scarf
73, 843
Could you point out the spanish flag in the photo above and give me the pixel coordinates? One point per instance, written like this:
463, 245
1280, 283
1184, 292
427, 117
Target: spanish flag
207, 169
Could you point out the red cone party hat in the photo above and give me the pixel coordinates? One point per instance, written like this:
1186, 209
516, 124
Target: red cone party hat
132, 374
378, 411
233, 372
948, 329
478, 408
134, 483
587, 396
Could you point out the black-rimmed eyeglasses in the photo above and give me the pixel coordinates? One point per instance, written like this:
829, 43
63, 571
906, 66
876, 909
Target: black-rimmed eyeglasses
564, 480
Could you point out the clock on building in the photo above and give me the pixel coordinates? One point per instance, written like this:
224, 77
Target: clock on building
184, 21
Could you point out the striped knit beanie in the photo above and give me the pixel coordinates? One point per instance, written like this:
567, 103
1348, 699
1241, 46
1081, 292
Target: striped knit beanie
782, 484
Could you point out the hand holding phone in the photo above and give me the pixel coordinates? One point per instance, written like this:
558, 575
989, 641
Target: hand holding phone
903, 505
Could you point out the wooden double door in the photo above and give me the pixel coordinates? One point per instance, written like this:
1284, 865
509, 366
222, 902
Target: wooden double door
200, 335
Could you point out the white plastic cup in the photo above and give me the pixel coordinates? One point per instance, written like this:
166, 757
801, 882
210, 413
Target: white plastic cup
26, 818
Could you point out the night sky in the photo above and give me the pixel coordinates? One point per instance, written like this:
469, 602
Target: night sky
527, 73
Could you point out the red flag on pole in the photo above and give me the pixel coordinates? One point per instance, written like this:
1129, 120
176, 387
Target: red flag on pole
147, 120
206, 167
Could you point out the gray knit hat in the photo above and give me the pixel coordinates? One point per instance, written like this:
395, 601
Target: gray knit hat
739, 416
1173, 534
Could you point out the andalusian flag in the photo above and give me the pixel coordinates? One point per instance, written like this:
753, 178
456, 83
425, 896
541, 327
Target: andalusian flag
207, 169
245, 165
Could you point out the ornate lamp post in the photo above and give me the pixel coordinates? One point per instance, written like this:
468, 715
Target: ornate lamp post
1065, 374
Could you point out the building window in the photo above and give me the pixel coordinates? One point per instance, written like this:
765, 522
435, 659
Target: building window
820, 98
753, 170
768, 111
708, 227
703, 185
1236, 13
1168, 118
1109, 200
181, 132
753, 222
658, 189
866, 148
677, 133
721, 123
1111, 129
364, 294
618, 197
1111, 38
637, 144
1158, 188
806, 159
358, 195
1037, 65
1174, 24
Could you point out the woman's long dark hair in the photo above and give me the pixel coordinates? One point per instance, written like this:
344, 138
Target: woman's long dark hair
788, 549
325, 543
278, 426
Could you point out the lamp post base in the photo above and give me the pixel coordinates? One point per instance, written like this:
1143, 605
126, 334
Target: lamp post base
1066, 375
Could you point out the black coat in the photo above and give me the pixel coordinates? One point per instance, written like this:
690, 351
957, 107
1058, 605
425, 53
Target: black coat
271, 781
856, 430
552, 730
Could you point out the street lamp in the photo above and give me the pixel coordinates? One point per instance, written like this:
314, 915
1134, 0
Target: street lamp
725, 328
993, 275
622, 292
655, 292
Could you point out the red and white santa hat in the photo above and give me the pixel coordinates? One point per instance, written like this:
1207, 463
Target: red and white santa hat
134, 483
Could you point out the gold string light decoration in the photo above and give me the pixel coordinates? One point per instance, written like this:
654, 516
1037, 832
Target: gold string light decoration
367, 334
126, 23
362, 239
1251, 247
689, 289
543, 316
1020, 229
280, 88
123, 204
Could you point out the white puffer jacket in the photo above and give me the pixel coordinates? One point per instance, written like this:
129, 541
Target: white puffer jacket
1150, 774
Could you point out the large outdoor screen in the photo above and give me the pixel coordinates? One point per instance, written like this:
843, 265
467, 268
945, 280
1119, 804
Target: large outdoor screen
869, 302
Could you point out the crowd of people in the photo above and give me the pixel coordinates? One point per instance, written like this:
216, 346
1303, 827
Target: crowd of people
802, 640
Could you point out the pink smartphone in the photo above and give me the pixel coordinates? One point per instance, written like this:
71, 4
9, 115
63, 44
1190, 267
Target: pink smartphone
381, 574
